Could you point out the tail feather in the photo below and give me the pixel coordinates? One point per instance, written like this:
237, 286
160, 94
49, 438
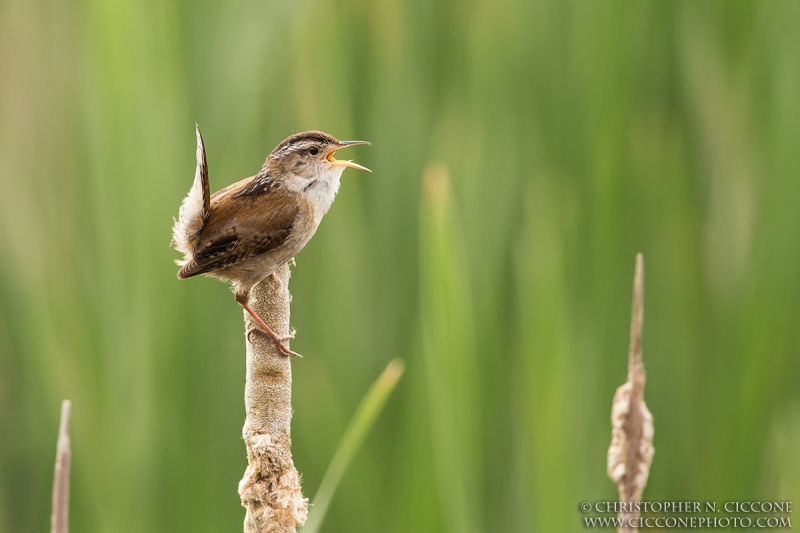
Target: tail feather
188, 270
195, 208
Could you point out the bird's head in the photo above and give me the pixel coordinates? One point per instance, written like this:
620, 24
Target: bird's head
309, 156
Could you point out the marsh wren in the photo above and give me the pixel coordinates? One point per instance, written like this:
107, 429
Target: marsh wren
244, 232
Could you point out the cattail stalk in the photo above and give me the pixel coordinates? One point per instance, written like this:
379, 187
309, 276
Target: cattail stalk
59, 519
631, 450
270, 489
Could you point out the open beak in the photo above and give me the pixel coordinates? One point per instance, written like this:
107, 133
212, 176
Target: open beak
345, 163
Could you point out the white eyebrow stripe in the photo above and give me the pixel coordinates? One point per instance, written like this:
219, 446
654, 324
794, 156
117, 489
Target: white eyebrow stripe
295, 147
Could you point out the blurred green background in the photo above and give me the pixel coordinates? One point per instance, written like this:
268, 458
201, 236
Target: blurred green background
559, 138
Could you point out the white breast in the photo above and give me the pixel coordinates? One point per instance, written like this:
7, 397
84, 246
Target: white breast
320, 190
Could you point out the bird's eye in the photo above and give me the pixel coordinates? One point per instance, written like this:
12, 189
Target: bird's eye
313, 150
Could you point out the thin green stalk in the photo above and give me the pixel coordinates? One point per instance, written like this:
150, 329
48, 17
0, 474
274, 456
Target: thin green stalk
368, 410
448, 349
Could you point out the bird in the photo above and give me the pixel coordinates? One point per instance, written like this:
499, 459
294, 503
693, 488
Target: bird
244, 232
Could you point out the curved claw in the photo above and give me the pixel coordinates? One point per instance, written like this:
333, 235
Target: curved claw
254, 330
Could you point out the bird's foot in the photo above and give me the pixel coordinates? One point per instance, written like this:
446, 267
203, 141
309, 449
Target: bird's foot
276, 339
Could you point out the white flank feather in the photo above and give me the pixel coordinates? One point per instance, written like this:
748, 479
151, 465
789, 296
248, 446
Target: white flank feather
194, 209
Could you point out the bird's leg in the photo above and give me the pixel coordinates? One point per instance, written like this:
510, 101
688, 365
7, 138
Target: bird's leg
263, 329
277, 279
